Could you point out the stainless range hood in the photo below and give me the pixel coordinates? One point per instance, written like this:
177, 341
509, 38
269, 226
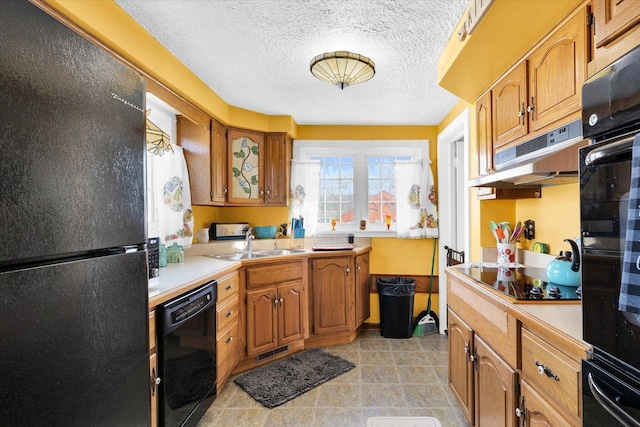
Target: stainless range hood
548, 159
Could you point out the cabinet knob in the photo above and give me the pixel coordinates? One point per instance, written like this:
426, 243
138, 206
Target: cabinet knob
229, 313
228, 340
228, 287
269, 193
347, 270
521, 114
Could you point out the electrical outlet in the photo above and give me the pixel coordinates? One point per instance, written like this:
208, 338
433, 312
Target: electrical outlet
529, 229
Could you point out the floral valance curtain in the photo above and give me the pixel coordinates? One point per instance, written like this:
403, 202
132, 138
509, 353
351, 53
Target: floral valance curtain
416, 210
305, 189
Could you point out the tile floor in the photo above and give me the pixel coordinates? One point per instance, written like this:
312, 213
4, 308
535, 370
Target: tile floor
392, 377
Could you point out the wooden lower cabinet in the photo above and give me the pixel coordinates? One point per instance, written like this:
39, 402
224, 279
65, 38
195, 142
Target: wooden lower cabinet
495, 388
274, 317
482, 382
275, 306
534, 411
460, 366
227, 327
362, 299
332, 294
508, 367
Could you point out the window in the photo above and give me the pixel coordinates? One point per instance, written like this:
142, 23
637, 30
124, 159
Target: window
355, 179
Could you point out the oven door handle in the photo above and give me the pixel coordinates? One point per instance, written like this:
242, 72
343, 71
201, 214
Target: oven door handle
610, 150
609, 405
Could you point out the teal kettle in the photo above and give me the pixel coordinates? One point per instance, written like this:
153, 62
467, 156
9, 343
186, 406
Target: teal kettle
565, 269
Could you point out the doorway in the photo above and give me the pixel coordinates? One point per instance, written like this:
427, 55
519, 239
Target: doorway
453, 198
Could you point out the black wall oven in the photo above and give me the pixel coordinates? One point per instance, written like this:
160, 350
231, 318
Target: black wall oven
611, 118
187, 356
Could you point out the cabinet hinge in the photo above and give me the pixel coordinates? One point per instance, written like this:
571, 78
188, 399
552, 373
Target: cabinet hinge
517, 388
226, 135
590, 19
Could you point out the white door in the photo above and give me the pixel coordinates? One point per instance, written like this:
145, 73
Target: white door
453, 198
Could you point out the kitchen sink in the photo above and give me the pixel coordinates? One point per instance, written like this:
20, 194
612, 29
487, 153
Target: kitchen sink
239, 256
277, 252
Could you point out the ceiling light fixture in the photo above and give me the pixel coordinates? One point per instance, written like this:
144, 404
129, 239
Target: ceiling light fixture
343, 68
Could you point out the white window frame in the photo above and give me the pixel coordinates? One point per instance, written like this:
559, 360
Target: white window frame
304, 150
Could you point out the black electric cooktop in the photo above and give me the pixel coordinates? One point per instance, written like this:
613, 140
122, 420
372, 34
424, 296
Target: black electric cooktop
522, 283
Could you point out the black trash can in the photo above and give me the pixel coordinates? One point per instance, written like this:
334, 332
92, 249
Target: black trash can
396, 306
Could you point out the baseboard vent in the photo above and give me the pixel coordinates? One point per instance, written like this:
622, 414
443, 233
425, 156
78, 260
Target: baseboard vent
272, 353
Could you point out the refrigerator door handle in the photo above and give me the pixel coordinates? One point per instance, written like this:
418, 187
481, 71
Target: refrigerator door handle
610, 405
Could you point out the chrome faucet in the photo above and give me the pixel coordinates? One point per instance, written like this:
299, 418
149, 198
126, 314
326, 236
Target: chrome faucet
275, 240
248, 237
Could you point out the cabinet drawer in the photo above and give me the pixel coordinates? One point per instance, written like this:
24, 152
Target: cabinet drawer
551, 372
226, 314
273, 274
227, 350
228, 287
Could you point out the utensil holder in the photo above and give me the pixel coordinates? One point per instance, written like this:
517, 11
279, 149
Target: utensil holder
506, 253
298, 233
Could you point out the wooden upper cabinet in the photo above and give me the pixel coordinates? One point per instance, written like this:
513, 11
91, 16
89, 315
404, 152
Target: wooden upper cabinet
557, 70
278, 152
246, 167
195, 139
219, 163
484, 136
509, 99
545, 87
616, 31
613, 18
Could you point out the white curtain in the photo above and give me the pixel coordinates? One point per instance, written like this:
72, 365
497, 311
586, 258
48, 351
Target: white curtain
305, 193
171, 202
416, 210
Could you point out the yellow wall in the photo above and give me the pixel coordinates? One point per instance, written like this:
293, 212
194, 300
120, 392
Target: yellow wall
556, 214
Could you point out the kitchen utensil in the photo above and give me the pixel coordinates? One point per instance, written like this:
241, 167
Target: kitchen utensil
427, 322
565, 269
517, 231
500, 234
494, 227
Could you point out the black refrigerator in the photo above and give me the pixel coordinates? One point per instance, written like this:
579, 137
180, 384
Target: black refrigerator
73, 267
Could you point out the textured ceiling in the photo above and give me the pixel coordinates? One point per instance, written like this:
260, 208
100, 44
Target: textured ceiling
256, 54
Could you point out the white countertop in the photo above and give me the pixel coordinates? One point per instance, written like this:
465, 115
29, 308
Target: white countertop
194, 269
563, 317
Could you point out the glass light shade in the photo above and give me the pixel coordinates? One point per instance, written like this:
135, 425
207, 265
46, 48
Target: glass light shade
343, 68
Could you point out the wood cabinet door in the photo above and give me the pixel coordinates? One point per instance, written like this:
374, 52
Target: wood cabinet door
614, 18
290, 313
278, 151
557, 70
362, 300
331, 290
495, 385
484, 135
460, 367
195, 140
538, 412
245, 179
261, 321
218, 163
508, 107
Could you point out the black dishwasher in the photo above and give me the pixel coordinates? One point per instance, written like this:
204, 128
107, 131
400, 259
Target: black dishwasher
187, 356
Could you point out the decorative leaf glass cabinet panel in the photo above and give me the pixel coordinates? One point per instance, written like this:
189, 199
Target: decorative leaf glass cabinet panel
246, 167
